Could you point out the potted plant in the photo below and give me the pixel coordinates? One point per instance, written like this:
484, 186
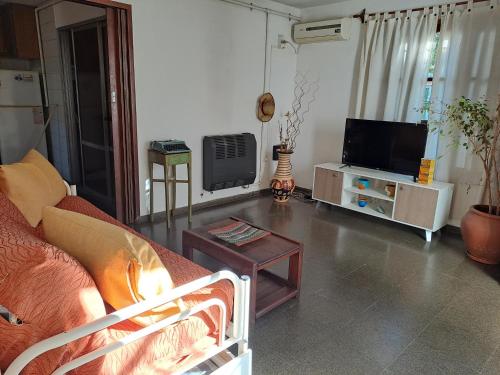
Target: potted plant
283, 183
480, 133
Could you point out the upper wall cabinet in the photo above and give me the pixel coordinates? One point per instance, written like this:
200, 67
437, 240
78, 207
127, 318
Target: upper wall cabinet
4, 50
18, 36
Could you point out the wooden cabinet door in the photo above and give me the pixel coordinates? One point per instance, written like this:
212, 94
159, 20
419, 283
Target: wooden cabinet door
416, 205
328, 185
24, 25
4, 32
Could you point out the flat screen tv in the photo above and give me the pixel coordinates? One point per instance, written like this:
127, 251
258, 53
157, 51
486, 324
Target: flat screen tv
389, 146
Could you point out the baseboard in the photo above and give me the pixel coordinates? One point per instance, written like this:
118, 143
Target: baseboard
160, 216
303, 190
452, 229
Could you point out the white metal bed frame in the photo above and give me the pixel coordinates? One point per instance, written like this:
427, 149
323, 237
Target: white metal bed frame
237, 334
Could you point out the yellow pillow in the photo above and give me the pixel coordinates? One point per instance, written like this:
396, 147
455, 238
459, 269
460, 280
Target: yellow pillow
125, 268
32, 184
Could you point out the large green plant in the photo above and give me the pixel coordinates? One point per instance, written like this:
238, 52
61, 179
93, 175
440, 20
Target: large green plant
481, 135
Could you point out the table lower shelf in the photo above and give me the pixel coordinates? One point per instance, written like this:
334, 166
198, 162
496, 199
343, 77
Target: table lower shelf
272, 291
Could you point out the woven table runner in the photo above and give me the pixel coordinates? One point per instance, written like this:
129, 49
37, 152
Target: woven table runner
239, 233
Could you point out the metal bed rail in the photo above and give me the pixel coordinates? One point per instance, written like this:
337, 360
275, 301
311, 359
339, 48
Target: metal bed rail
237, 334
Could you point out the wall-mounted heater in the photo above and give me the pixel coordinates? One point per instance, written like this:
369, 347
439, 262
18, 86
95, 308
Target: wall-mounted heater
229, 161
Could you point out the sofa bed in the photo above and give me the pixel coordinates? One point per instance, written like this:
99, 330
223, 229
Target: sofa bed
62, 324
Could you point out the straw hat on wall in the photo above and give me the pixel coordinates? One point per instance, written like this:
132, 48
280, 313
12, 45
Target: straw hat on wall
265, 107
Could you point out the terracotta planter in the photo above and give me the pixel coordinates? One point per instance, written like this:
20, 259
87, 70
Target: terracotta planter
283, 184
481, 234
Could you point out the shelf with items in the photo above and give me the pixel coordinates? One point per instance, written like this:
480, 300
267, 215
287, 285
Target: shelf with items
370, 190
370, 187
374, 193
375, 207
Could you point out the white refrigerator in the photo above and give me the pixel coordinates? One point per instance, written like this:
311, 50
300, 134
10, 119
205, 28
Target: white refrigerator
21, 115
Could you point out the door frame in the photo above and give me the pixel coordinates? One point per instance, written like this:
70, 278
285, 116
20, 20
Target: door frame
124, 116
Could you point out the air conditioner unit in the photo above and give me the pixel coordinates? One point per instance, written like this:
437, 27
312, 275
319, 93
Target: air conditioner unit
322, 30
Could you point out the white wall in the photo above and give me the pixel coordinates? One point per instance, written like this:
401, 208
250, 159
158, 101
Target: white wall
335, 64
199, 69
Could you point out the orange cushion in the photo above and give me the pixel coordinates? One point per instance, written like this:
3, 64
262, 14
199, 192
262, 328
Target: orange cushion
181, 270
32, 184
124, 267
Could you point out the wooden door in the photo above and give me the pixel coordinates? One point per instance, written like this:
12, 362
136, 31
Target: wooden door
122, 106
123, 115
328, 185
416, 205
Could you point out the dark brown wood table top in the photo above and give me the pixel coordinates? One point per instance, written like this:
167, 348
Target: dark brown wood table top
262, 252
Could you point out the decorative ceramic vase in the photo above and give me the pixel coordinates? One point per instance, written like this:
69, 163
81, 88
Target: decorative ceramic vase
480, 233
283, 184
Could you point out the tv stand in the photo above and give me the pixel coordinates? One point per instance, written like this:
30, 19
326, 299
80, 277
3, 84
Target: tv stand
425, 207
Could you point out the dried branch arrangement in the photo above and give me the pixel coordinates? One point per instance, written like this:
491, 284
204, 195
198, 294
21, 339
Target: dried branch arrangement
291, 123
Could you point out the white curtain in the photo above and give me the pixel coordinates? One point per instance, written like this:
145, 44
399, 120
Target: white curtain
467, 65
395, 59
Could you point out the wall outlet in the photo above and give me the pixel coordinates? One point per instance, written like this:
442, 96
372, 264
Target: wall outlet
281, 41
275, 151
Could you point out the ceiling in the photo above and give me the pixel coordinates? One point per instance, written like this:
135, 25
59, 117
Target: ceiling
307, 3
294, 3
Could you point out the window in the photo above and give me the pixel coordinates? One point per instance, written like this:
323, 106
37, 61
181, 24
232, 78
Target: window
430, 79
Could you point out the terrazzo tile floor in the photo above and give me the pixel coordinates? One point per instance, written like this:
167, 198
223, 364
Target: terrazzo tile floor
375, 299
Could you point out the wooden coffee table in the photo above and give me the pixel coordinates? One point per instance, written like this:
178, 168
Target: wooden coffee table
268, 290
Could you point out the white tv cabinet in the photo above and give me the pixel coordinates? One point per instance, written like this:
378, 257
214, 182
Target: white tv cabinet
422, 206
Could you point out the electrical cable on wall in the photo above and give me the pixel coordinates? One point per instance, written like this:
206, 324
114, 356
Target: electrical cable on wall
264, 86
45, 126
283, 43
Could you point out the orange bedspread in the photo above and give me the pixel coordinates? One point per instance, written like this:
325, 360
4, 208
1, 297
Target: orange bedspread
52, 293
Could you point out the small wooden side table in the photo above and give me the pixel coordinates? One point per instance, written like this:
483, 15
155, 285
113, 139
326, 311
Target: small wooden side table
170, 163
268, 290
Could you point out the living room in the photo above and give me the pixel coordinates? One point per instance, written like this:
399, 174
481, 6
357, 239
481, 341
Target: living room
266, 187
